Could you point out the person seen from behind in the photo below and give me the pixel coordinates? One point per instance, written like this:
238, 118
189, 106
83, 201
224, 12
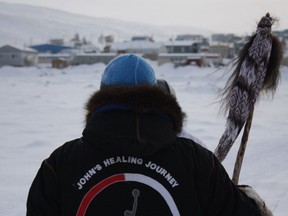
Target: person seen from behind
130, 160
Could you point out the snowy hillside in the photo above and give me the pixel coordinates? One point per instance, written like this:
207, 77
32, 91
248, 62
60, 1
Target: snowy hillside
41, 108
23, 24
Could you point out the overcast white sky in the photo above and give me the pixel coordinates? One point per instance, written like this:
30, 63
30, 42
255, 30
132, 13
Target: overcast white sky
227, 16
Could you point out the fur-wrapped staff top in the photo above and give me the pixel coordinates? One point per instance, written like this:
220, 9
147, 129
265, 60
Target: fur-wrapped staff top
256, 70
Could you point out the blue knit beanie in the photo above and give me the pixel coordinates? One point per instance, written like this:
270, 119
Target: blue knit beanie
128, 70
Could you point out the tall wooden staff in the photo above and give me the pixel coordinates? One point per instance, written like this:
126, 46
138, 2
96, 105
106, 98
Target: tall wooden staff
242, 148
256, 70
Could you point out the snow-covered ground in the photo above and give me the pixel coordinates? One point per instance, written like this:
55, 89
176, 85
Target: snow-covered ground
41, 108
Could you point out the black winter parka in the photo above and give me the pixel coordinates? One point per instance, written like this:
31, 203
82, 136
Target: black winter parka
130, 161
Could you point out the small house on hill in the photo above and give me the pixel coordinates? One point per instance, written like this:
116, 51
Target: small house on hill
15, 56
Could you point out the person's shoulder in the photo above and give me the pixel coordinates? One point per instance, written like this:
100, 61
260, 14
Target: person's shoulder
197, 150
65, 151
68, 147
187, 135
199, 157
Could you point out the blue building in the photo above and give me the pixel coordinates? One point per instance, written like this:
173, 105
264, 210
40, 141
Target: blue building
50, 48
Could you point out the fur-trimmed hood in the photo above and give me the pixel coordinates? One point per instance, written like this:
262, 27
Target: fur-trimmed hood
138, 120
140, 99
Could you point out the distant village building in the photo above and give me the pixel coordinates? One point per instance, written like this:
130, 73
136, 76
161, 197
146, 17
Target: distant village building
182, 46
214, 59
285, 60
281, 34
190, 37
182, 59
57, 41
200, 40
50, 48
139, 45
189, 49
109, 39
228, 45
47, 58
76, 40
285, 57
49, 52
226, 51
142, 38
59, 63
225, 38
89, 48
57, 51
15, 56
188, 43
91, 58
184, 50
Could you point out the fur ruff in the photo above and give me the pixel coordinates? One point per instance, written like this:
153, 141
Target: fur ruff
142, 98
253, 195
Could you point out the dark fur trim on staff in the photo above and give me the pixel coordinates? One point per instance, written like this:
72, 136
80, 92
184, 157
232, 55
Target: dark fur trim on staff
273, 70
141, 98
